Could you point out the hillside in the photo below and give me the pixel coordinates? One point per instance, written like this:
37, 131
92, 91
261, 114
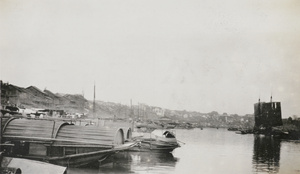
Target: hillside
32, 97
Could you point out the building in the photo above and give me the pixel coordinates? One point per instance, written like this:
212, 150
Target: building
159, 111
12, 95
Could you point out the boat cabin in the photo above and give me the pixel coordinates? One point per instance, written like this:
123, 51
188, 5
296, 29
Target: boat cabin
43, 139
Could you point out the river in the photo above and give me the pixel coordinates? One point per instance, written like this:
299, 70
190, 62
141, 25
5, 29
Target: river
209, 151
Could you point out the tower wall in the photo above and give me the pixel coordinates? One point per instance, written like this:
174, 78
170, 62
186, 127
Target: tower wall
267, 114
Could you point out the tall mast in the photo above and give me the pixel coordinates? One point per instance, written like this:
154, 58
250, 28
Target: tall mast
271, 97
138, 110
94, 104
131, 110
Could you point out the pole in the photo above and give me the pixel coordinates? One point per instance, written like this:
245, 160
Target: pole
138, 110
94, 104
131, 113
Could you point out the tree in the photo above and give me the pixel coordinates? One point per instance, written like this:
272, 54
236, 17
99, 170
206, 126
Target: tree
213, 113
290, 120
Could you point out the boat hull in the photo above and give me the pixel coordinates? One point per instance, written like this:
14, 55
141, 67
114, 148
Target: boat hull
155, 145
83, 159
26, 166
80, 160
157, 141
153, 149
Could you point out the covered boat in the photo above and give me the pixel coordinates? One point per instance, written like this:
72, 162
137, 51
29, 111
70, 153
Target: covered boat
61, 143
25, 166
159, 140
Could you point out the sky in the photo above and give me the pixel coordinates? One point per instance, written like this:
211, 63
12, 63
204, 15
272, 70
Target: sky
194, 55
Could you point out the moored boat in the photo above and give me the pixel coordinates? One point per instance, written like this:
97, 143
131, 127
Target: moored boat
62, 143
233, 129
245, 131
159, 140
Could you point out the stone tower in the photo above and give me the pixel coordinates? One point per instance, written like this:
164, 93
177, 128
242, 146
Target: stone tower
267, 114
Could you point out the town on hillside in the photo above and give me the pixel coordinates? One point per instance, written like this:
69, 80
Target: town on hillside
36, 103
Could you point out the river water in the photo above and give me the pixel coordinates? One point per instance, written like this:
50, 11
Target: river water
208, 151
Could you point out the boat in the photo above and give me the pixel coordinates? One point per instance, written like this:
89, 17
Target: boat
148, 125
159, 140
24, 166
241, 132
10, 110
61, 143
233, 129
244, 131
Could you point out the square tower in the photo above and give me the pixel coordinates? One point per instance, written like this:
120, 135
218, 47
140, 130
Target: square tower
267, 114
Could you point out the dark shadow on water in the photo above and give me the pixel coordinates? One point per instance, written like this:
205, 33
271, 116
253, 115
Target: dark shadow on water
131, 162
266, 154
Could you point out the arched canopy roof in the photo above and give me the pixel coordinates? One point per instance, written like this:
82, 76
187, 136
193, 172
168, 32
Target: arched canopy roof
89, 135
60, 133
31, 129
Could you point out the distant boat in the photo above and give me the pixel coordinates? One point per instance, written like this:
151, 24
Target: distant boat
241, 132
61, 143
159, 140
232, 129
245, 131
11, 110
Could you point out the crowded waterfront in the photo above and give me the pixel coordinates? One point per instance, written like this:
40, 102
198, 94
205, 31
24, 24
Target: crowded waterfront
205, 150
109, 87
61, 142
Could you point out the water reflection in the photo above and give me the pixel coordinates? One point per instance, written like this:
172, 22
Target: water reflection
133, 162
146, 161
266, 154
211, 151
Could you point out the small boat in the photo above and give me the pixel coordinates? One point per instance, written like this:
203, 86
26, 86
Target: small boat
61, 143
244, 131
10, 110
232, 129
159, 140
149, 125
241, 132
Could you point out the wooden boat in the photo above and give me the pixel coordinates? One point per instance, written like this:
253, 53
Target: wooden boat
159, 140
61, 143
11, 110
24, 166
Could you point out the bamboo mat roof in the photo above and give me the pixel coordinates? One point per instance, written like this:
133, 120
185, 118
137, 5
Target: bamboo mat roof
59, 133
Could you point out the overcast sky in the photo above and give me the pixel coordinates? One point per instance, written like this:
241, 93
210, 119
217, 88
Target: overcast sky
197, 55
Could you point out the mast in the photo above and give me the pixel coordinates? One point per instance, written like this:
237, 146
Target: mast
94, 104
138, 110
131, 105
271, 98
